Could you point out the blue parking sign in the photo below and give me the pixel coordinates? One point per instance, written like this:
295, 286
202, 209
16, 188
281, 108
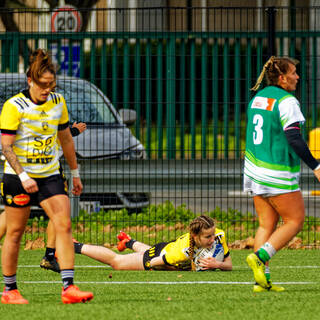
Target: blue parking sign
61, 58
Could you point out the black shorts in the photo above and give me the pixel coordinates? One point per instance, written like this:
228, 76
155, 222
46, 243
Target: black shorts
151, 253
14, 195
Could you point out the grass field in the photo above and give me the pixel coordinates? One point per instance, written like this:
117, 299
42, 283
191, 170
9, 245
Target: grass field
172, 295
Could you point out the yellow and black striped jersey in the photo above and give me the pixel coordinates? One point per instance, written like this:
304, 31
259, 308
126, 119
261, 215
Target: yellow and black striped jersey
176, 253
36, 127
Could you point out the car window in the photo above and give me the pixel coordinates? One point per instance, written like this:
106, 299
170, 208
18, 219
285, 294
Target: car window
10, 87
85, 103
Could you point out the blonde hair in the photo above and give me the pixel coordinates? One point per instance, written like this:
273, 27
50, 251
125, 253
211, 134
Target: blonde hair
272, 69
196, 226
39, 63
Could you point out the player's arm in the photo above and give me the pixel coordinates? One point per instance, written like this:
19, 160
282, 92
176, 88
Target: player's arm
212, 263
7, 141
300, 147
68, 149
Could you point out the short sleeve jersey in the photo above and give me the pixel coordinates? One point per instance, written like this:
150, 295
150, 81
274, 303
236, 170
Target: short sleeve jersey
176, 253
36, 127
271, 165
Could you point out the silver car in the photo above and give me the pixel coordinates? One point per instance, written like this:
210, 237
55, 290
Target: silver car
107, 137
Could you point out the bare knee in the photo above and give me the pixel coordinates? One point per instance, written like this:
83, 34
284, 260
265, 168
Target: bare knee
62, 225
296, 222
15, 235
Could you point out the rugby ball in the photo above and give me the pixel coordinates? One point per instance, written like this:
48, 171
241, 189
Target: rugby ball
216, 251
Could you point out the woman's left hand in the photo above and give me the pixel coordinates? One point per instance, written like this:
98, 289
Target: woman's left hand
209, 263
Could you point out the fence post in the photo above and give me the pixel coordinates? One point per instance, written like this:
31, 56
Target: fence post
271, 12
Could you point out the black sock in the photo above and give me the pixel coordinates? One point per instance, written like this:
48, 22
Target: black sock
67, 277
50, 253
77, 247
10, 282
130, 243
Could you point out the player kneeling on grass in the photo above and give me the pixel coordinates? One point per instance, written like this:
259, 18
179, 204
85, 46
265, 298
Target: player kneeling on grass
174, 255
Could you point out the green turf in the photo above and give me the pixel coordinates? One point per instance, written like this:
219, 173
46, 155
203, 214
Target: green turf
172, 301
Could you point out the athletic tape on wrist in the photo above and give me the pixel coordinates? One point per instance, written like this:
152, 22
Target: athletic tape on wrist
23, 176
75, 173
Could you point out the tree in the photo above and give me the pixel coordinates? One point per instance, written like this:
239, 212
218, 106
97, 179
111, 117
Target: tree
9, 7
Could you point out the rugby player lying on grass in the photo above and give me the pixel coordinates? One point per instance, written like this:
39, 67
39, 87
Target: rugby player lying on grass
174, 255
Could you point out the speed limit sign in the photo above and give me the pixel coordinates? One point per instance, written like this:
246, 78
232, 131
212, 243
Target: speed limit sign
66, 19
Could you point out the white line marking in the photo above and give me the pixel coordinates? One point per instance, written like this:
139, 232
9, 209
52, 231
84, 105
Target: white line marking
235, 267
38, 266
165, 282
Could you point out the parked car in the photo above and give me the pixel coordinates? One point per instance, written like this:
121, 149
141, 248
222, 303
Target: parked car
107, 136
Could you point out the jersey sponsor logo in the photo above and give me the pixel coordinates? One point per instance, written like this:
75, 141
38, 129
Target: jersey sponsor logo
21, 199
263, 103
43, 160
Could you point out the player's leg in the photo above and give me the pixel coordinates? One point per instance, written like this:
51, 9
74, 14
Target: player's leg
133, 261
16, 220
268, 219
290, 207
57, 208
49, 260
2, 224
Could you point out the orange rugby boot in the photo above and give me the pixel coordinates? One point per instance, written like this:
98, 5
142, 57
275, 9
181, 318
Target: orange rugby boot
74, 295
13, 297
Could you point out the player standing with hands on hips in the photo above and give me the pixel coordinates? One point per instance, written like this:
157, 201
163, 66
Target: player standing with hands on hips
31, 123
274, 147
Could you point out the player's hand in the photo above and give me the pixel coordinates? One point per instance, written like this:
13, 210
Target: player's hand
76, 186
30, 185
81, 126
317, 174
209, 263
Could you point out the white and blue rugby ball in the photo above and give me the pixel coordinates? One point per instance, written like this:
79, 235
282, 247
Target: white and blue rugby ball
216, 251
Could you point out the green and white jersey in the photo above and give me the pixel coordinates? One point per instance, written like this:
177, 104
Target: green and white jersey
271, 165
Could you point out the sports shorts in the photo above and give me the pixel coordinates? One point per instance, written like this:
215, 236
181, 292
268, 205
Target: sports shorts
14, 195
151, 253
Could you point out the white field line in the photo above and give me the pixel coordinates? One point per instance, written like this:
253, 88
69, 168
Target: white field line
168, 282
234, 267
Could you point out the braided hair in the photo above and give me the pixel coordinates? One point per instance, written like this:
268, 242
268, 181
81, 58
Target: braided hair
39, 63
272, 69
196, 226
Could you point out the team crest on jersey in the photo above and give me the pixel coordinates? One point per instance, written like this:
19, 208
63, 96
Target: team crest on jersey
263, 103
21, 199
9, 198
45, 125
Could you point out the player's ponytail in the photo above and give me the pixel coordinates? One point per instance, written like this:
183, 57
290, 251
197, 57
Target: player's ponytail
272, 69
196, 226
39, 63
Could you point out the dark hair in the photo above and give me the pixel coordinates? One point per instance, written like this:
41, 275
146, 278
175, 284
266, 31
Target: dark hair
39, 63
273, 68
196, 226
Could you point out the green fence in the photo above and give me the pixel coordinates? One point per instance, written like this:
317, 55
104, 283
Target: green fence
190, 89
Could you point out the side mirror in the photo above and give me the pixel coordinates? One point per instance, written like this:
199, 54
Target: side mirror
128, 116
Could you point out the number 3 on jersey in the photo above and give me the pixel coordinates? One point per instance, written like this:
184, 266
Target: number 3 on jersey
257, 133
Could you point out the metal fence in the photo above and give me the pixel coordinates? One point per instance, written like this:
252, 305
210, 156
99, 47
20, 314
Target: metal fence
187, 72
